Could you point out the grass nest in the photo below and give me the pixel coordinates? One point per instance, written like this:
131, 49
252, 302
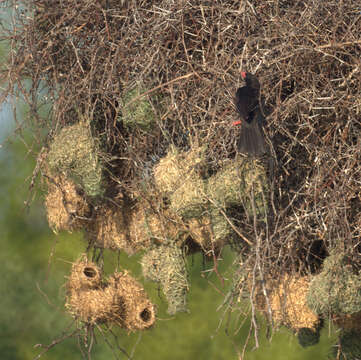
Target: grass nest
120, 299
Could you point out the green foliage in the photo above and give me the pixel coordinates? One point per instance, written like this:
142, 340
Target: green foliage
75, 153
337, 289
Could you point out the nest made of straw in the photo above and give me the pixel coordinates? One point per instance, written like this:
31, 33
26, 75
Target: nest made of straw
74, 152
286, 301
166, 265
337, 288
120, 299
134, 225
178, 176
65, 204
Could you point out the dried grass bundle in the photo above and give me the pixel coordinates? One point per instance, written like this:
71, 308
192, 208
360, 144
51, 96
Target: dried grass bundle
85, 275
120, 299
66, 206
178, 176
109, 229
165, 264
74, 152
289, 306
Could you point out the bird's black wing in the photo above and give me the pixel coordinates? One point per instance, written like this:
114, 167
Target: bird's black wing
245, 102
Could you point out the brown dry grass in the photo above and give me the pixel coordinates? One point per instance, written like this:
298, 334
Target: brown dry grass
120, 299
288, 303
66, 208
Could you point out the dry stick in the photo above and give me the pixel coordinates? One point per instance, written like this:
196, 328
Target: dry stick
111, 347
55, 342
186, 50
253, 290
347, 43
90, 346
160, 86
264, 289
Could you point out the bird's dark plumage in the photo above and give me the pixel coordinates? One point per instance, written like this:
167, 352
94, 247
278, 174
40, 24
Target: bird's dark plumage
251, 140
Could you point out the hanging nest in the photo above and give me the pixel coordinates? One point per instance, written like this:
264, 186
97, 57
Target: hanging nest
166, 265
288, 304
65, 204
210, 232
237, 183
74, 152
135, 311
137, 111
120, 299
337, 288
109, 229
178, 176
159, 225
134, 227
85, 275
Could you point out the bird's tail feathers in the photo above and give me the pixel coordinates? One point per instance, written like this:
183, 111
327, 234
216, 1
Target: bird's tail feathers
251, 140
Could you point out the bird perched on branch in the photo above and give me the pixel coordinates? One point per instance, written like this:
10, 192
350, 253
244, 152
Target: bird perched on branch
251, 139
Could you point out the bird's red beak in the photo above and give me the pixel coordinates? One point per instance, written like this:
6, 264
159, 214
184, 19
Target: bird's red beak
239, 122
243, 74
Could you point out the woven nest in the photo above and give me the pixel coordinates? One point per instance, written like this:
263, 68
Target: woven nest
120, 299
85, 275
239, 182
286, 301
134, 227
155, 222
178, 176
337, 288
289, 306
210, 232
109, 229
65, 204
166, 265
135, 311
74, 152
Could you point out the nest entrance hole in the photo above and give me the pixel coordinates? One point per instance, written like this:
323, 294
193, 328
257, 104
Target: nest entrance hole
146, 315
90, 272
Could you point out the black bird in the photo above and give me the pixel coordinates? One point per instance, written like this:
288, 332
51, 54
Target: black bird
251, 139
